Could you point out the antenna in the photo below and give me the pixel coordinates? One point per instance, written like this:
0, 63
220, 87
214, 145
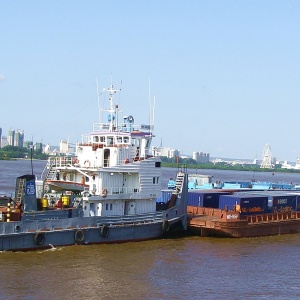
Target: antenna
98, 96
154, 102
150, 108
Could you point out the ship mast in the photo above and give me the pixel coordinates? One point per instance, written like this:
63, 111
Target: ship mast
113, 110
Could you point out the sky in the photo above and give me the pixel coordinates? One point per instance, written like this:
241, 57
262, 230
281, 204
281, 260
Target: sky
224, 74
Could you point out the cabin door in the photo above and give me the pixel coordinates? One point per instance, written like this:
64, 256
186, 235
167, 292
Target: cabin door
130, 208
106, 158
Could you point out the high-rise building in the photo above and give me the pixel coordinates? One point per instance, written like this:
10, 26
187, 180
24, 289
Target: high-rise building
11, 137
15, 138
19, 139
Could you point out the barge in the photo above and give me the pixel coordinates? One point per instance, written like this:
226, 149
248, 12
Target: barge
205, 222
244, 214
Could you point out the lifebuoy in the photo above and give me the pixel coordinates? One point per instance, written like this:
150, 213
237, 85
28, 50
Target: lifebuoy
104, 193
165, 225
79, 236
39, 238
104, 231
87, 163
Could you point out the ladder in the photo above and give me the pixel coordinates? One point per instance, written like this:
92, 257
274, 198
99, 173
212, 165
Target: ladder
179, 183
20, 189
51, 174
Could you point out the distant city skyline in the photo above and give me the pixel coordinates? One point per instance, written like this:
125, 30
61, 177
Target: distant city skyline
199, 156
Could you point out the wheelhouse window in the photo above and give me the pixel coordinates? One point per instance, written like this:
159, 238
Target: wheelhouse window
96, 139
110, 140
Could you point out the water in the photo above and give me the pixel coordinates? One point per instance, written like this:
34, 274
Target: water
183, 268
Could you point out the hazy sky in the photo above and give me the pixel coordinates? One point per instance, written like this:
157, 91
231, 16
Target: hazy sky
225, 74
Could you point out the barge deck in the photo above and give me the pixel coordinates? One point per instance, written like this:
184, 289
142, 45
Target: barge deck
205, 221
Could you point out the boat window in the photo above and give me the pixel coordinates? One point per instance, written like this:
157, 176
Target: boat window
126, 140
96, 139
119, 140
111, 206
153, 180
102, 139
106, 206
148, 143
110, 140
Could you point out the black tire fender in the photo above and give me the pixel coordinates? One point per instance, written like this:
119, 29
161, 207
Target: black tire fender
165, 225
79, 236
39, 238
104, 231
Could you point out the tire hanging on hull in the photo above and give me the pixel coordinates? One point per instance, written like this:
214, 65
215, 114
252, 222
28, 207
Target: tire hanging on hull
79, 236
104, 231
165, 226
39, 238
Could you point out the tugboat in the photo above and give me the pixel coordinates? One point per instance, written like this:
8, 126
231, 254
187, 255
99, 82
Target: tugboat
106, 193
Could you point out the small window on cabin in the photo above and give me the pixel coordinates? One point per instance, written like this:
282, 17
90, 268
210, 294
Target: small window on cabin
110, 140
126, 140
110, 206
119, 139
153, 180
102, 139
106, 206
157, 164
157, 179
148, 143
96, 139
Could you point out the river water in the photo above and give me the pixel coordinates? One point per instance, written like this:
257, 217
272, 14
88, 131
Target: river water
178, 268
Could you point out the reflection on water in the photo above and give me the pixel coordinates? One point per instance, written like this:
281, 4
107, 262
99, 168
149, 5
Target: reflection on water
186, 268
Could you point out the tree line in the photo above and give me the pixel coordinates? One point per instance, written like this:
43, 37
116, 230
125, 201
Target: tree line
190, 163
11, 152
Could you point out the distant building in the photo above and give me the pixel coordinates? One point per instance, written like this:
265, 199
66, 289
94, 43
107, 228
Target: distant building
28, 144
201, 157
11, 137
168, 152
15, 138
4, 141
63, 147
66, 148
38, 146
19, 139
47, 149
